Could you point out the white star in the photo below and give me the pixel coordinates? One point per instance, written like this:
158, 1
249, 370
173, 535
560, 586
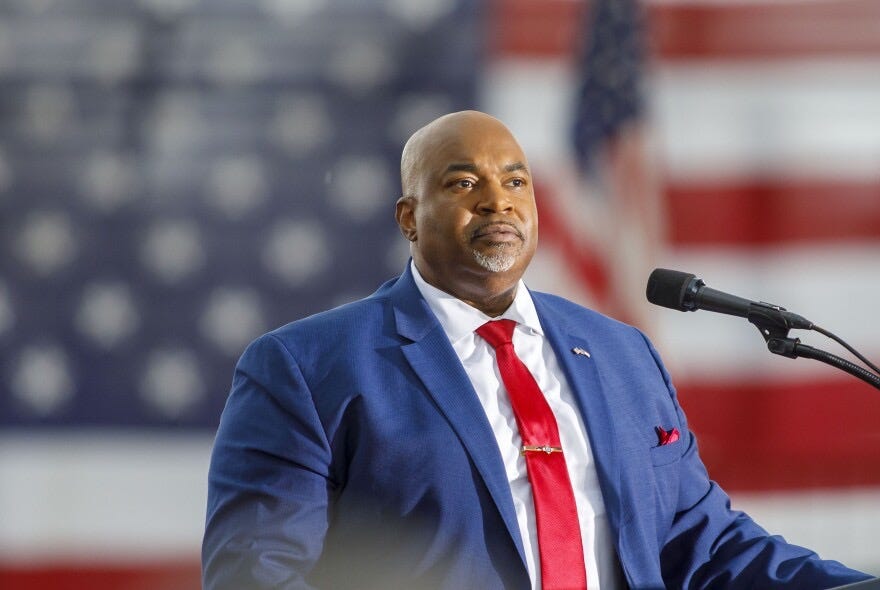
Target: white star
235, 62
173, 250
171, 382
34, 6
292, 12
47, 112
107, 314
302, 124
419, 15
5, 170
360, 186
7, 317
176, 124
237, 185
361, 66
113, 54
397, 255
296, 251
46, 242
167, 8
42, 379
8, 55
415, 110
232, 318
108, 180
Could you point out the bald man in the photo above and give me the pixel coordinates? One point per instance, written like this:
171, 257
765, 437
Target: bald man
388, 443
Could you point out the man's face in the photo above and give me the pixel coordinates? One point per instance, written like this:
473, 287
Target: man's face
473, 211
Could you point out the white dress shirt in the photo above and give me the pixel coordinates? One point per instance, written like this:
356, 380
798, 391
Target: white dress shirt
459, 320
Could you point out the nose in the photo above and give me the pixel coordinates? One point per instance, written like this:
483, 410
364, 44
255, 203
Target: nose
494, 199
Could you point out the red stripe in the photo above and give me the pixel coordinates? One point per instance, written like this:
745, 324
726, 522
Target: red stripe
807, 434
555, 28
169, 574
536, 28
773, 211
784, 30
590, 269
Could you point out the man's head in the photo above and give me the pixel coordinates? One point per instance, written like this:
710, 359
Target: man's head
468, 208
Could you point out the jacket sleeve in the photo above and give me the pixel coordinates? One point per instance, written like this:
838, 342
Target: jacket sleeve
711, 546
268, 482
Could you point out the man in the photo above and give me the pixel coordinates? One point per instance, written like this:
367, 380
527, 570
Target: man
389, 443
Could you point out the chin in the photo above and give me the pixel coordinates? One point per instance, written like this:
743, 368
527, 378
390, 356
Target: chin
496, 261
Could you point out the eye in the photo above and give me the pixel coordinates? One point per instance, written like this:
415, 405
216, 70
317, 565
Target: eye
464, 183
517, 182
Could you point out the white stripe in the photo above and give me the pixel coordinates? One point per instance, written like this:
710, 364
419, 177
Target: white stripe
114, 497
102, 496
785, 118
836, 524
715, 120
535, 98
727, 3
834, 286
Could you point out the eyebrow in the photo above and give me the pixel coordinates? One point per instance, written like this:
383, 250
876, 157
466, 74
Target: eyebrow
462, 167
468, 167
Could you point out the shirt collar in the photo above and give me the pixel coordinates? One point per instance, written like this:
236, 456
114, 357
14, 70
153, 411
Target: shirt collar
459, 319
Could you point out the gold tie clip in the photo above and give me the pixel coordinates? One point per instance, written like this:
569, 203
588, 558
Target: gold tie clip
539, 449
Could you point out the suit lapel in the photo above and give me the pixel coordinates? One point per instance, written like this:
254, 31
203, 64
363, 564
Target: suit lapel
432, 358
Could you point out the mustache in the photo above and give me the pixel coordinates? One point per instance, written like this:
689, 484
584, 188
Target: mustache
479, 229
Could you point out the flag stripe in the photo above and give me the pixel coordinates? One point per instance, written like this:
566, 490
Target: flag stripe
837, 524
749, 30
801, 426
741, 30
179, 573
813, 119
774, 211
124, 494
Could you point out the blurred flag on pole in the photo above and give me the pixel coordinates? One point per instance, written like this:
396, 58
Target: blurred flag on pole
177, 176
739, 141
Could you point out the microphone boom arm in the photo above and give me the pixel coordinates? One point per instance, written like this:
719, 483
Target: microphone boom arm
774, 327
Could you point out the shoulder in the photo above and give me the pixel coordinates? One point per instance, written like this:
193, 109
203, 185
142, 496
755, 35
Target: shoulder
577, 317
628, 342
339, 324
312, 347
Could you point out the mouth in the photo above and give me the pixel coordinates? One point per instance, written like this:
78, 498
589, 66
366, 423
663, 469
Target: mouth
498, 232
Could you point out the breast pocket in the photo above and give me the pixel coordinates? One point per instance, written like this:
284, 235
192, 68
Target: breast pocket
666, 454
665, 483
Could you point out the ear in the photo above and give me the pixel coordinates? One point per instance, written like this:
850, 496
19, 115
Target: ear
405, 214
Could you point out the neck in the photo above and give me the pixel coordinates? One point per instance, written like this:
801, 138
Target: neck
493, 307
491, 293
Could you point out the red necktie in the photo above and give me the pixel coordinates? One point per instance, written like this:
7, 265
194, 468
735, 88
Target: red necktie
559, 534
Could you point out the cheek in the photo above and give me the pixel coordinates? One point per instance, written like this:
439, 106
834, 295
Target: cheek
449, 224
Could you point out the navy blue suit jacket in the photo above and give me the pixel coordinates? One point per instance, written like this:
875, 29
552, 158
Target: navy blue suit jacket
353, 453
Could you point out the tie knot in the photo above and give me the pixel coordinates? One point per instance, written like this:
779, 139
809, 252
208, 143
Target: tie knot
497, 332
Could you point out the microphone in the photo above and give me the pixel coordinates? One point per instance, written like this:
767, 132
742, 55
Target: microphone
685, 292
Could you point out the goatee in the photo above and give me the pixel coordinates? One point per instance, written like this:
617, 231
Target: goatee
498, 261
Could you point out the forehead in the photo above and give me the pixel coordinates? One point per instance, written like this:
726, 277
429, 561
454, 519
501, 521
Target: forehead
481, 145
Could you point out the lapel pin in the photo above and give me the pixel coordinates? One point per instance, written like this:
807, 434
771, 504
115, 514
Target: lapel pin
580, 351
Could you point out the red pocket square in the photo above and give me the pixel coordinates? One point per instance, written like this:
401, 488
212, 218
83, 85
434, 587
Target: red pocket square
667, 437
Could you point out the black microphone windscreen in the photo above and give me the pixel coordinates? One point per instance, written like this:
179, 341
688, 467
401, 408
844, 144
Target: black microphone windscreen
667, 288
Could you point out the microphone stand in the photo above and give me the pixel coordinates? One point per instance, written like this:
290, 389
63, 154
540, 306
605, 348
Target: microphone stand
774, 327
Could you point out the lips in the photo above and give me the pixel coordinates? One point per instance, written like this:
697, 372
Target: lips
498, 232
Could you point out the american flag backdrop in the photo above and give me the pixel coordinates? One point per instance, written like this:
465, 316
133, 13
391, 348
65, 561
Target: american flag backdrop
178, 176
